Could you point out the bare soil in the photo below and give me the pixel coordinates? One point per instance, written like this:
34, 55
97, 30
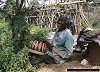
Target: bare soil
72, 64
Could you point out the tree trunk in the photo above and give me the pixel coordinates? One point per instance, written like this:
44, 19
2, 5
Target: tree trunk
18, 22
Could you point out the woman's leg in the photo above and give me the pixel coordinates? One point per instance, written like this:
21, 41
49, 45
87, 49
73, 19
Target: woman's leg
48, 59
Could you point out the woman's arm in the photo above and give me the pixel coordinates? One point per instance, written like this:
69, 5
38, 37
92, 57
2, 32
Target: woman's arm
69, 41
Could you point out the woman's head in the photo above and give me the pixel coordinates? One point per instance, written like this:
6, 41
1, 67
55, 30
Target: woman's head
64, 21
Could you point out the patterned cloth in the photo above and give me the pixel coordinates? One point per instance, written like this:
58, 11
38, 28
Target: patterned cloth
38, 45
62, 46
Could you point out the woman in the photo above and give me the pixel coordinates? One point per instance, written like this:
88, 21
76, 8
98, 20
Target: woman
61, 48
62, 43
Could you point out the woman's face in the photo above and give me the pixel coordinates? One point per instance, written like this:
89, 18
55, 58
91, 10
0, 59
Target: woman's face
62, 22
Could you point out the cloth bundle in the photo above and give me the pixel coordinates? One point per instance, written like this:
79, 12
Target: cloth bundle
38, 46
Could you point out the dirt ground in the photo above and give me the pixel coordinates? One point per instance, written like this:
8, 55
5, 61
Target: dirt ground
72, 64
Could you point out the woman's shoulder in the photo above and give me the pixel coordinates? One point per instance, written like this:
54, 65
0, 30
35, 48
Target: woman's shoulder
67, 30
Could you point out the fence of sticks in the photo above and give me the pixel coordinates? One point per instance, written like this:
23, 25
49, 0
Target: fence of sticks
47, 15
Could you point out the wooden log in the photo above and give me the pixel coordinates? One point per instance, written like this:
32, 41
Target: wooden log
36, 52
65, 3
68, 3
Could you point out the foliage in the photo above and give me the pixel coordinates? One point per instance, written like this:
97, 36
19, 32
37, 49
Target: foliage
8, 9
14, 37
9, 61
17, 22
20, 30
97, 25
2, 19
34, 2
5, 36
39, 33
9, 6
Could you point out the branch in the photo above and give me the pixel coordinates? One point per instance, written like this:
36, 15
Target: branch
22, 3
17, 3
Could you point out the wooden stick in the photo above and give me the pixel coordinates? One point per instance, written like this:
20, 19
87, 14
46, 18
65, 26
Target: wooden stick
75, 2
65, 3
36, 52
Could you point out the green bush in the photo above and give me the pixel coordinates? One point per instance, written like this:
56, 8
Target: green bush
5, 36
96, 25
38, 33
9, 61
